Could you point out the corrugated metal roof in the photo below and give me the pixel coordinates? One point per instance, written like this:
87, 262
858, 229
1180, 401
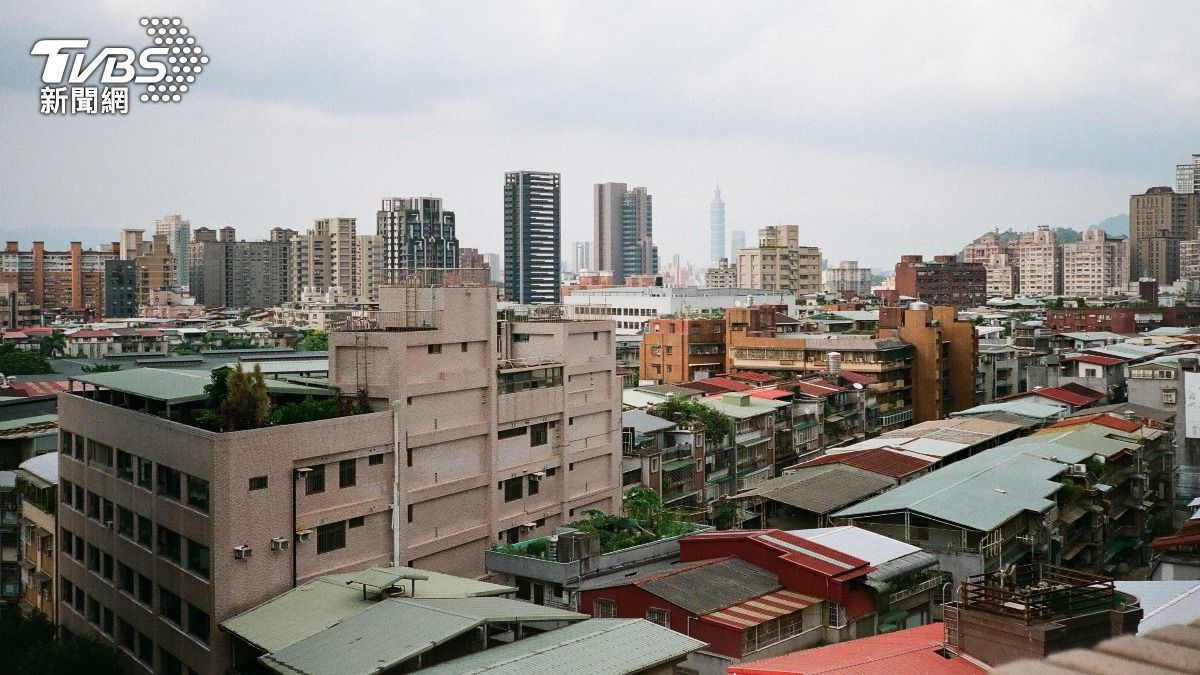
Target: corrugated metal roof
178, 386
1024, 408
596, 646
821, 489
876, 460
1164, 602
644, 423
395, 630
914, 651
761, 609
874, 548
707, 588
44, 467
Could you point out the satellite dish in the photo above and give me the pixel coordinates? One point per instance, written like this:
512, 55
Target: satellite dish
858, 385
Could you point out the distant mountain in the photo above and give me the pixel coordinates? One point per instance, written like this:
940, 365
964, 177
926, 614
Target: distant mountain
1118, 225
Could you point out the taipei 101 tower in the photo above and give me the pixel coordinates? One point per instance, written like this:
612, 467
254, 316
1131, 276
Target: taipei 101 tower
717, 228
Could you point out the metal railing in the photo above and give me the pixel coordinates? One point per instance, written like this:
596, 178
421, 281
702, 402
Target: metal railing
406, 320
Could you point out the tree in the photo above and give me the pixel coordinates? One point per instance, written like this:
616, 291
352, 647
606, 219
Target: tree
644, 505
15, 361
54, 344
308, 410
315, 341
246, 404
101, 368
28, 647
682, 412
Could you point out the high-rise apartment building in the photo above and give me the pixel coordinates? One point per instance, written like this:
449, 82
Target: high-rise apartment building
1189, 259
68, 280
417, 234
230, 273
120, 289
780, 263
1003, 275
1187, 177
480, 431
623, 228
370, 267
156, 267
1039, 261
1159, 220
532, 237
325, 257
131, 243
1095, 266
946, 352
737, 242
941, 281
179, 234
848, 277
716, 219
723, 275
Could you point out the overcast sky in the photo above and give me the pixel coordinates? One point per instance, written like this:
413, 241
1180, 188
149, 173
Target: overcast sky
879, 128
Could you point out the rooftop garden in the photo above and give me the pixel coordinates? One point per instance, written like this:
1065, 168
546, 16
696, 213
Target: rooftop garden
688, 413
645, 520
238, 400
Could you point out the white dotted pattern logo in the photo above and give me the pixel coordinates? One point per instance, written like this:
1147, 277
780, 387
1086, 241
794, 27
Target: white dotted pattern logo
186, 59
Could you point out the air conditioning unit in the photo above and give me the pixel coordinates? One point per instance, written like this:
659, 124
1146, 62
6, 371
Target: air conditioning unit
108, 524
242, 552
279, 544
303, 535
537, 475
1077, 470
528, 527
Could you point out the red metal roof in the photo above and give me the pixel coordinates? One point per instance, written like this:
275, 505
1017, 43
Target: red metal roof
814, 556
90, 334
704, 387
772, 394
1103, 419
913, 651
857, 378
726, 383
749, 376
15, 335
818, 387
877, 460
1096, 359
761, 609
150, 332
1188, 535
1071, 394
38, 388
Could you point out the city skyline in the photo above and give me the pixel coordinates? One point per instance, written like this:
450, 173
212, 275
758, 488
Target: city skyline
1053, 127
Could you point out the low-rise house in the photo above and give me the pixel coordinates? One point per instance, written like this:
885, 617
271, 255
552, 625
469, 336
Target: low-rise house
1074, 396
658, 454
751, 454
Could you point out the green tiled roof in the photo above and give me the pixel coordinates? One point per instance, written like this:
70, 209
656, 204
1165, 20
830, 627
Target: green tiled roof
173, 386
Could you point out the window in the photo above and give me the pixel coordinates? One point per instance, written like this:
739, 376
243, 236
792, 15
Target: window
464, 347
197, 496
408, 456
145, 652
836, 615
106, 567
511, 433
410, 513
595, 335
93, 558
604, 609
661, 617
169, 664
66, 442
66, 539
145, 473
170, 606
315, 482
512, 489
435, 349
100, 453
199, 558
79, 548
170, 544
68, 590
331, 537
126, 578
79, 498
258, 483
93, 505
376, 459
169, 482
145, 531
538, 434
66, 491
124, 466
357, 521
347, 473
108, 620
523, 380
551, 471
125, 522
93, 610
107, 516
1168, 398
197, 623
533, 485
145, 590
126, 636
77, 447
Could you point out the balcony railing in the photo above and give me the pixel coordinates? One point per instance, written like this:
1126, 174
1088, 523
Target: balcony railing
406, 320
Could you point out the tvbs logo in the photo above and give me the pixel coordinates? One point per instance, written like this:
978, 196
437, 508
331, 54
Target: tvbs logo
167, 69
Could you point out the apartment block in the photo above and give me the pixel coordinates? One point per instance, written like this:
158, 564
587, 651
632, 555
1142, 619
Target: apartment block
417, 234
120, 288
174, 528
681, 349
779, 262
1039, 261
178, 232
1003, 275
942, 281
533, 237
58, 280
849, 278
1095, 266
623, 231
155, 264
325, 257
946, 358
723, 275
37, 488
230, 273
1159, 220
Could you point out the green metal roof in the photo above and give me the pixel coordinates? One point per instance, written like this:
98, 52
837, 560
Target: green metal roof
596, 646
394, 630
173, 386
27, 421
323, 602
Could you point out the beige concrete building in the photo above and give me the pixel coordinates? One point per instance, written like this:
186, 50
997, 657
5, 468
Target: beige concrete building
1038, 259
369, 267
1159, 220
155, 267
37, 484
848, 277
477, 433
1003, 277
326, 257
780, 263
1095, 266
723, 275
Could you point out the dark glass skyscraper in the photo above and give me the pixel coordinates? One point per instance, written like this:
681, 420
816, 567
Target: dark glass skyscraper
532, 237
417, 234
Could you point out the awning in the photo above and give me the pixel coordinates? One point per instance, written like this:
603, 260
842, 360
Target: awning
894, 569
1072, 514
1074, 550
761, 609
